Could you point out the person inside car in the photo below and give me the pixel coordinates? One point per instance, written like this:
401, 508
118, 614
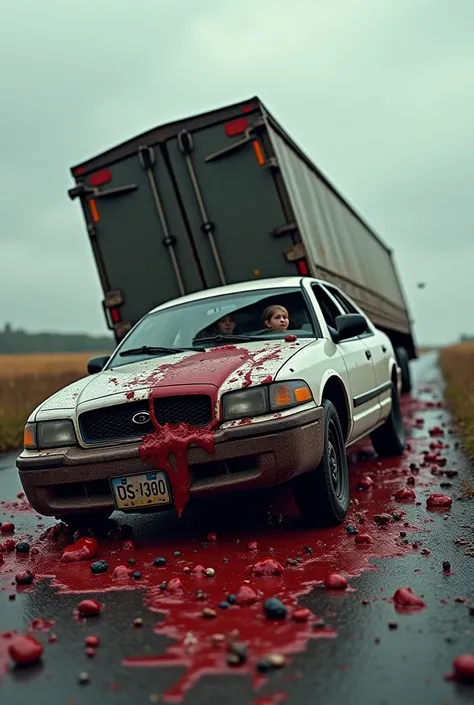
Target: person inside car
226, 325
276, 318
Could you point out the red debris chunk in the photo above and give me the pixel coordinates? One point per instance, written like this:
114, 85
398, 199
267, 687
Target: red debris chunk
439, 501
290, 338
302, 614
25, 650
365, 483
404, 597
175, 587
268, 566
211, 537
121, 572
245, 596
335, 581
82, 550
363, 539
405, 495
252, 546
463, 666
7, 527
89, 608
92, 641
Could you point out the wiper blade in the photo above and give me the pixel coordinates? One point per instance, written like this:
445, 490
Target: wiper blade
223, 338
152, 350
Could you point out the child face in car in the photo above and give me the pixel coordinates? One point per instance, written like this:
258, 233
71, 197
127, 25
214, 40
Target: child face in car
276, 318
226, 325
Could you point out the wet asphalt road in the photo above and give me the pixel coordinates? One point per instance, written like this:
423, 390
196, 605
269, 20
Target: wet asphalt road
371, 654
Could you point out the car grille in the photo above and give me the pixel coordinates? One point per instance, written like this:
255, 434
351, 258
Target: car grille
114, 423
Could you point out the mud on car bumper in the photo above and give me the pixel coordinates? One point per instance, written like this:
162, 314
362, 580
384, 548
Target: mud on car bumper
76, 480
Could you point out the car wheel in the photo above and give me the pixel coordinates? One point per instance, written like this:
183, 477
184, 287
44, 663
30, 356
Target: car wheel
404, 364
322, 495
92, 520
389, 440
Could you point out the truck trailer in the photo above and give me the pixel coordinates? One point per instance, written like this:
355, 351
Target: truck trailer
225, 197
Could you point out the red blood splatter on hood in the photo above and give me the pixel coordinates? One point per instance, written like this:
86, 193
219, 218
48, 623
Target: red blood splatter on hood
167, 440
406, 600
82, 550
438, 501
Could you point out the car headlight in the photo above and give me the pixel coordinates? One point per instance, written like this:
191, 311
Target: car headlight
264, 399
49, 434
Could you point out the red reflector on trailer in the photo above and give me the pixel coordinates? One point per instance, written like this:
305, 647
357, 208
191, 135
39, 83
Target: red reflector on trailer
236, 127
115, 315
303, 268
247, 108
100, 177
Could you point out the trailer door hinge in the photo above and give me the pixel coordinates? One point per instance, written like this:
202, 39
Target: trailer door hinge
113, 298
286, 229
272, 163
295, 253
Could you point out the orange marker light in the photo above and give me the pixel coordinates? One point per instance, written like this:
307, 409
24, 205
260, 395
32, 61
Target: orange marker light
29, 437
258, 152
94, 211
302, 394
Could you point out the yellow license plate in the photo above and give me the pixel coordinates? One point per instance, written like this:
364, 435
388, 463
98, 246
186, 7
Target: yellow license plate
147, 489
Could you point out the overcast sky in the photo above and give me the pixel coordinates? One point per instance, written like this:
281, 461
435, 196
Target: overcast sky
380, 93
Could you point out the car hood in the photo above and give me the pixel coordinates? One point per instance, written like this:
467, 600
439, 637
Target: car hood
226, 367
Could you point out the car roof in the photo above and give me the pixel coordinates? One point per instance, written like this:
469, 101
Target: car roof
273, 283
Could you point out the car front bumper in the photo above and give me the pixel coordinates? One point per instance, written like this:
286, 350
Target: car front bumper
75, 480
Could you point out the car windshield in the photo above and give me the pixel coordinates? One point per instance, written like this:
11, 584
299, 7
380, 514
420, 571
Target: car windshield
213, 321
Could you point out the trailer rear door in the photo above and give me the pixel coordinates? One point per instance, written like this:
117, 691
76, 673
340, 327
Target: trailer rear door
232, 205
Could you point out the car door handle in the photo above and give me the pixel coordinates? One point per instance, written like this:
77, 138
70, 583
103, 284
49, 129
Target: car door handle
384, 348
368, 354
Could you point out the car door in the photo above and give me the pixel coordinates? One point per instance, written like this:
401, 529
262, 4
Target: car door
359, 365
378, 345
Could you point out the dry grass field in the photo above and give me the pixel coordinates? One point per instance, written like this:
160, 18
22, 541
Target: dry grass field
26, 381
457, 365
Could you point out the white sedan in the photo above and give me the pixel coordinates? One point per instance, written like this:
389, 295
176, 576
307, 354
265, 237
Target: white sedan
204, 396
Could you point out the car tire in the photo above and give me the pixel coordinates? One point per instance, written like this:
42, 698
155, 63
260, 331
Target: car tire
322, 495
404, 364
389, 440
92, 520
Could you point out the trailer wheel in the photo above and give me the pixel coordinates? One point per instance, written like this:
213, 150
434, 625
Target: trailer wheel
404, 364
389, 440
322, 495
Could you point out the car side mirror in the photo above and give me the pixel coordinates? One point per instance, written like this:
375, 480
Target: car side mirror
97, 364
349, 325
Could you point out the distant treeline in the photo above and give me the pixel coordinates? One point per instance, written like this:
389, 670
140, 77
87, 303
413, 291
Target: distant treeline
21, 342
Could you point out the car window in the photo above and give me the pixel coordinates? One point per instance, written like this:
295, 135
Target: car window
185, 325
346, 305
329, 308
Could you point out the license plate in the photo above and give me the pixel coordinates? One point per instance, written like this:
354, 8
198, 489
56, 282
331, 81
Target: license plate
147, 489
